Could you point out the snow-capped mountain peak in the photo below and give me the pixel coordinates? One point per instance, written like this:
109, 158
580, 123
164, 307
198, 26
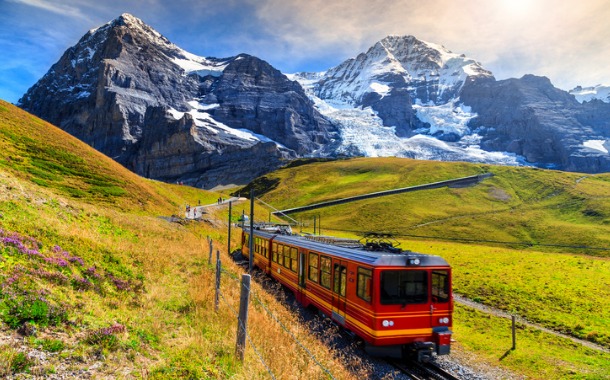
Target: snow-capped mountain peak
586, 94
429, 72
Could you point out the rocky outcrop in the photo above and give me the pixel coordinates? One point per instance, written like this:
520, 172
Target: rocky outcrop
532, 118
253, 95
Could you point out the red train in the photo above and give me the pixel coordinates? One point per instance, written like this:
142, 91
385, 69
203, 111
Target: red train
400, 303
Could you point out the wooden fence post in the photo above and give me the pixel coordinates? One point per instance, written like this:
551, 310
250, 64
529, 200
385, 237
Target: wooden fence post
514, 334
242, 321
210, 255
217, 299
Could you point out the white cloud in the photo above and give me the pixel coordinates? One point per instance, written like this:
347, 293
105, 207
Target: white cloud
566, 41
52, 6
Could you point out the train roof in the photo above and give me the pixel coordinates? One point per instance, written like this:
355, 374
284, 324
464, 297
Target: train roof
375, 258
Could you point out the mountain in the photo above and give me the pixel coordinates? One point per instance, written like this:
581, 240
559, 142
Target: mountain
170, 115
410, 98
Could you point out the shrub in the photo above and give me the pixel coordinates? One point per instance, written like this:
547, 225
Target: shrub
106, 337
18, 309
12, 362
51, 345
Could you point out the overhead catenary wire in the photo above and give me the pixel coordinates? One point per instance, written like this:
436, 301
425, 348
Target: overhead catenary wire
469, 240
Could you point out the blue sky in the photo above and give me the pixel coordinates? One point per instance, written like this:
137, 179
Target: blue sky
567, 41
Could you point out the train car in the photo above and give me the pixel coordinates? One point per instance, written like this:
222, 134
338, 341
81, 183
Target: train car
400, 303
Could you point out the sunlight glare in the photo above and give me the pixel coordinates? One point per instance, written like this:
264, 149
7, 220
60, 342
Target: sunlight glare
516, 6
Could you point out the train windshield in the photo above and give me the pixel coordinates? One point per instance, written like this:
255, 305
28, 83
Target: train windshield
402, 287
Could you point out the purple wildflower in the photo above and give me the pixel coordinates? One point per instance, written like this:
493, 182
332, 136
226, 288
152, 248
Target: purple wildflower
76, 259
81, 283
117, 328
91, 272
57, 261
51, 276
120, 284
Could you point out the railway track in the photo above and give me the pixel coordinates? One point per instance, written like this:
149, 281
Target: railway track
423, 371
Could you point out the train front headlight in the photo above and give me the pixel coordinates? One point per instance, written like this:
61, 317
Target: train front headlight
443, 321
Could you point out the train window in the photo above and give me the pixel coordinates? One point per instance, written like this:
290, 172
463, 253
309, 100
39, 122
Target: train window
402, 287
286, 258
325, 271
340, 279
257, 245
293, 259
440, 286
365, 280
276, 252
313, 267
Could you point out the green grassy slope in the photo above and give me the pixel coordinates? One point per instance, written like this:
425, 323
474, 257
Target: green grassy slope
520, 205
111, 289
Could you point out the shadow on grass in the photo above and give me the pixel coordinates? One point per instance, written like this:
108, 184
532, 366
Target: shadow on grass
506, 354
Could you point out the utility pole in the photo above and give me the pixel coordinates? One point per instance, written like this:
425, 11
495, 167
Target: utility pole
229, 238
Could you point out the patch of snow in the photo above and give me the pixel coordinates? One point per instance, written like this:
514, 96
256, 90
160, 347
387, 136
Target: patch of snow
445, 118
90, 51
204, 120
586, 94
200, 66
380, 88
176, 114
596, 144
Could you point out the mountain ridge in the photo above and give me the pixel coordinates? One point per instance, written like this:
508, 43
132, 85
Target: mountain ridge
171, 115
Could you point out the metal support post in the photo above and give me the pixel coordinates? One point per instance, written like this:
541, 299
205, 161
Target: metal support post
251, 245
229, 238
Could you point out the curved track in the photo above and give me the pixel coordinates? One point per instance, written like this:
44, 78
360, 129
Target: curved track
423, 371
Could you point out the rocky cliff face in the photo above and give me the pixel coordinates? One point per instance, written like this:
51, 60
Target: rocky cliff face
170, 115
532, 118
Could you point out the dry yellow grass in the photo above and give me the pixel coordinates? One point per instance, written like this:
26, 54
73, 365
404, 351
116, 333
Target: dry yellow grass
171, 328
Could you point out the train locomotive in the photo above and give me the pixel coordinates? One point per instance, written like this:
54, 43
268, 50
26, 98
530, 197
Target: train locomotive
398, 302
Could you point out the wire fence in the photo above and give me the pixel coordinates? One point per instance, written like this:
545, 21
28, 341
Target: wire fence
298, 342
241, 326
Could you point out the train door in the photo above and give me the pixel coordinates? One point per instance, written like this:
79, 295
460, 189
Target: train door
301, 270
440, 291
339, 290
